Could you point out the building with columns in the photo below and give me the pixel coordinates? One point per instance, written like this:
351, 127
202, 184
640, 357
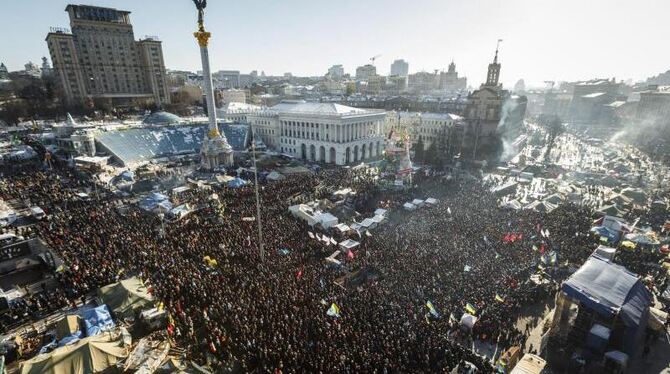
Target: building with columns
322, 132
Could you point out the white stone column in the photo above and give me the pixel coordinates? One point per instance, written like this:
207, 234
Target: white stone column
209, 90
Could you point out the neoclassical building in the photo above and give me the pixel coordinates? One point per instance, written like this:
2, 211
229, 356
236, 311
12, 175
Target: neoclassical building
323, 132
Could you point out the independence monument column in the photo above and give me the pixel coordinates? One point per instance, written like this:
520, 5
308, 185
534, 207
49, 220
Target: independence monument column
215, 150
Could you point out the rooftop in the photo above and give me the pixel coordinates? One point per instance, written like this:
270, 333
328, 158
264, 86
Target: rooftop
299, 106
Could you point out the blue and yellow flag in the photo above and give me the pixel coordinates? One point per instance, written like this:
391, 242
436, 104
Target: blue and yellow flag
470, 309
432, 309
334, 310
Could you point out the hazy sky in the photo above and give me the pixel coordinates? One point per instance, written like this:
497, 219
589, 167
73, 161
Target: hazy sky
543, 39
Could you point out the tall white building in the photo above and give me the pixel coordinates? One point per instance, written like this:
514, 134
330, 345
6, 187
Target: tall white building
400, 68
322, 132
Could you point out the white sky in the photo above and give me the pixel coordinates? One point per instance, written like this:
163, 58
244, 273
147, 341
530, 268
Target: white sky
543, 39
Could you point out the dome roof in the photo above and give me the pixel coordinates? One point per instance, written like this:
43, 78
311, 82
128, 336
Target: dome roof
161, 118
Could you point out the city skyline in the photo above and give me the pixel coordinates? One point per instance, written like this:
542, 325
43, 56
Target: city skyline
540, 42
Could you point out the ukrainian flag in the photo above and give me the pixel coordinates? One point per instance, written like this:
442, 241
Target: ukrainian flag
470, 309
334, 310
432, 309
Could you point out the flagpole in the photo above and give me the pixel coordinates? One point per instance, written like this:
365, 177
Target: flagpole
258, 199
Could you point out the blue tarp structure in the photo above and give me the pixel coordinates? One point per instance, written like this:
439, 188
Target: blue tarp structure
97, 320
237, 182
127, 176
155, 200
611, 290
610, 234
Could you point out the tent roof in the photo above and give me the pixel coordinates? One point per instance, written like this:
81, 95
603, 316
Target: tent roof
68, 325
609, 289
90, 355
126, 297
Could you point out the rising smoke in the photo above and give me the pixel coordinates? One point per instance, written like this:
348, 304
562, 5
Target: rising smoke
508, 130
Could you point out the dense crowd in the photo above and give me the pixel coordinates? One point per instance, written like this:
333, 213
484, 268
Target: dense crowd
252, 315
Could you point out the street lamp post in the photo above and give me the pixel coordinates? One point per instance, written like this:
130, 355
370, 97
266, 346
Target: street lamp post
258, 199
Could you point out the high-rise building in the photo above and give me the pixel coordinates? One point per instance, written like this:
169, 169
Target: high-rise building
400, 68
100, 59
4, 73
365, 71
336, 72
450, 81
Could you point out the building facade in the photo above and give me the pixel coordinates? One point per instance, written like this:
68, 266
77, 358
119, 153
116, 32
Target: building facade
427, 127
321, 132
451, 82
400, 68
484, 108
363, 73
226, 79
654, 106
423, 82
224, 97
335, 72
100, 59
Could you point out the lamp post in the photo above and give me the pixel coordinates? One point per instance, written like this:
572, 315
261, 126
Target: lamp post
258, 199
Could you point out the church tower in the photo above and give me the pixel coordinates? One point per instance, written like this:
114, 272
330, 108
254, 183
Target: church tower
494, 70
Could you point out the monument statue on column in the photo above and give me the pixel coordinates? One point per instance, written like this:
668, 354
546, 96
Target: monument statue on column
215, 150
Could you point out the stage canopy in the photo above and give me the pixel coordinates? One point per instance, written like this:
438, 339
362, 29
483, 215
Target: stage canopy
609, 289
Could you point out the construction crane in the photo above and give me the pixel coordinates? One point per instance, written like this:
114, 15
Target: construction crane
372, 59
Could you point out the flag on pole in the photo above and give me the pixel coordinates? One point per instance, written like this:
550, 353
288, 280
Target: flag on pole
368, 233
499, 298
470, 309
323, 302
311, 234
334, 310
452, 318
350, 254
298, 275
432, 309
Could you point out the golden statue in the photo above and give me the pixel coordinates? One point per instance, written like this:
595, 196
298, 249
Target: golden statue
201, 35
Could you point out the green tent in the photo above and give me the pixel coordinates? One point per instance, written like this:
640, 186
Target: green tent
126, 298
94, 354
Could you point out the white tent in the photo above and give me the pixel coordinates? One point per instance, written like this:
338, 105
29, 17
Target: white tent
380, 212
468, 320
369, 223
327, 220
431, 201
349, 244
418, 202
341, 227
409, 206
333, 258
606, 253
275, 176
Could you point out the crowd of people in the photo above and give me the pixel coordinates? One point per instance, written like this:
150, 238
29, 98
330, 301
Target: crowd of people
269, 313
